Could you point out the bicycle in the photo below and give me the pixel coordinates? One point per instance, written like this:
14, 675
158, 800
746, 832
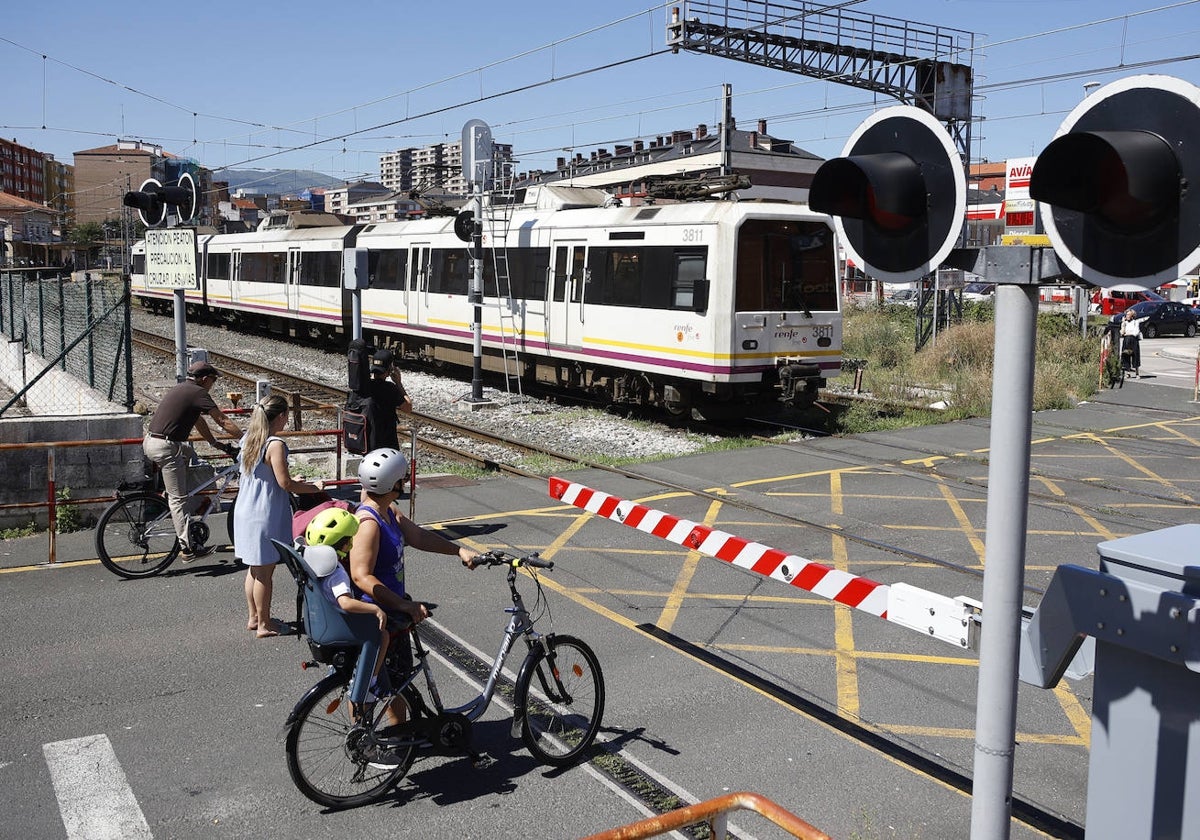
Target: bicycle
135, 536
558, 702
1113, 359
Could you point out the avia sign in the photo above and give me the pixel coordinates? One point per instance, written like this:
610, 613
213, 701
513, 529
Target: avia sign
1020, 211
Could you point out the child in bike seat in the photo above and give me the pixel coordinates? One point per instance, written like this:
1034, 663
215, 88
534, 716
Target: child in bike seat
329, 536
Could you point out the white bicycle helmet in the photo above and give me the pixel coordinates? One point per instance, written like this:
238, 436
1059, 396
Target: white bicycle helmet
321, 559
381, 469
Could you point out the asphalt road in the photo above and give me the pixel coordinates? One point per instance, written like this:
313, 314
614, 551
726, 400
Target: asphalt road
149, 702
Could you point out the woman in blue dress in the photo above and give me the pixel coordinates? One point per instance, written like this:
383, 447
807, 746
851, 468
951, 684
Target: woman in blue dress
264, 509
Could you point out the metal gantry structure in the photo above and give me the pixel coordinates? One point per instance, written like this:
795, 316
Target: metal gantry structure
914, 63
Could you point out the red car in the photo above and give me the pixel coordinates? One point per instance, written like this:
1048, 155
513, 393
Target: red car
1114, 303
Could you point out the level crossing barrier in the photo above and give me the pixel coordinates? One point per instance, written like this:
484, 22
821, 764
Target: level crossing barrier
952, 620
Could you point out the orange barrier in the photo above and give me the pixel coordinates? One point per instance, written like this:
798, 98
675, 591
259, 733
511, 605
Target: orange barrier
713, 812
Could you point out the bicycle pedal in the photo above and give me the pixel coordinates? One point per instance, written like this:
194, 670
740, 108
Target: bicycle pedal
481, 761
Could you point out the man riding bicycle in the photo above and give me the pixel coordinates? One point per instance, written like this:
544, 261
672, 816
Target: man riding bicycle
166, 444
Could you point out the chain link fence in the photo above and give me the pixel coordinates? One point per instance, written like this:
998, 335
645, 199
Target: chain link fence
68, 347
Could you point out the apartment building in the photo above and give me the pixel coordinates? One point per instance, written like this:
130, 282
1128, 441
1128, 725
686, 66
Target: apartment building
103, 176
22, 171
434, 168
339, 199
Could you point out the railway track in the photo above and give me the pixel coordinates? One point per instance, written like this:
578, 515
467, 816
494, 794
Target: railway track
435, 435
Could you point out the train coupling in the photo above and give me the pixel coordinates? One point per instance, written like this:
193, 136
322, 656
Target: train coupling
799, 383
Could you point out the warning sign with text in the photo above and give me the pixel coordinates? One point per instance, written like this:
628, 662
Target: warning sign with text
171, 259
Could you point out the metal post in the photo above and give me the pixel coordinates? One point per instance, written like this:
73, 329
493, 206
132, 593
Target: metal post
91, 344
477, 297
128, 344
1007, 514
181, 360
52, 507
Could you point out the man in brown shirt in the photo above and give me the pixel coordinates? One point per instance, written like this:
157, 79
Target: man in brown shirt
181, 410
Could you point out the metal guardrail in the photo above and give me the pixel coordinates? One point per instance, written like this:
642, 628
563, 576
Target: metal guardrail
52, 502
714, 812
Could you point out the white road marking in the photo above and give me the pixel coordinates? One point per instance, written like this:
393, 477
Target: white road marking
94, 797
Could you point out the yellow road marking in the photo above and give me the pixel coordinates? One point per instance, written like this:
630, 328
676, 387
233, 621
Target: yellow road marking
670, 610
964, 521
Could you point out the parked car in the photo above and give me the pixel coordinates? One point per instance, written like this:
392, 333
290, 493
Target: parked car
1163, 317
978, 291
1108, 302
907, 297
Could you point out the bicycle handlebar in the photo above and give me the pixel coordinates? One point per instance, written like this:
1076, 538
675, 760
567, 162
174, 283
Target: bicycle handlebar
503, 558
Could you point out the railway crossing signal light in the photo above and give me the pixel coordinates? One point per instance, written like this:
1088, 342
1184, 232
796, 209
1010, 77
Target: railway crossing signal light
898, 194
152, 199
1119, 185
464, 225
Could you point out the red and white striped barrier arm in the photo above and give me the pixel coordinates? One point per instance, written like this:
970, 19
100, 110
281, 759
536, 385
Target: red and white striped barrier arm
853, 591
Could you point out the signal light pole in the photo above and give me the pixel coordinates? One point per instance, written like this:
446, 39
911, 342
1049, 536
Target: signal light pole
477, 153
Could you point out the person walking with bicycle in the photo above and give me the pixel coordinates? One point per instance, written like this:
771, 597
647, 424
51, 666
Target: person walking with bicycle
377, 554
264, 508
181, 410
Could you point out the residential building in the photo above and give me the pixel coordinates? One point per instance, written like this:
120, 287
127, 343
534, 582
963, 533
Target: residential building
776, 168
26, 232
339, 199
60, 191
385, 207
434, 168
22, 171
103, 176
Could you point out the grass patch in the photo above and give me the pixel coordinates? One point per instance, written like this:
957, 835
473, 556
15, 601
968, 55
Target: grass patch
956, 369
18, 531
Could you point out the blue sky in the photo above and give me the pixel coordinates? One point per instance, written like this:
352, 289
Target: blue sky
236, 83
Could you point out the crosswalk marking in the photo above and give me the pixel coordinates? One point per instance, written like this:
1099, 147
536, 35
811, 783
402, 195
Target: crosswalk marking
94, 797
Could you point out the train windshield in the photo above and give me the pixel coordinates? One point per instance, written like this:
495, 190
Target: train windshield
785, 265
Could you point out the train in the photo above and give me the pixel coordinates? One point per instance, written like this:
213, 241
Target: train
707, 309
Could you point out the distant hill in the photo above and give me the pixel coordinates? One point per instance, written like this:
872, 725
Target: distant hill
275, 181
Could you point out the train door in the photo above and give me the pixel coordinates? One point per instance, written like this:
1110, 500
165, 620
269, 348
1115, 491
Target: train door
418, 282
565, 293
235, 274
293, 280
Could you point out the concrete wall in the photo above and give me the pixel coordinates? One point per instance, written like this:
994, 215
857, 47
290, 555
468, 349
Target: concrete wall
88, 471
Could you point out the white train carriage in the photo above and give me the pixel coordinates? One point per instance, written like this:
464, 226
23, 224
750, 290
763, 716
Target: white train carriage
705, 308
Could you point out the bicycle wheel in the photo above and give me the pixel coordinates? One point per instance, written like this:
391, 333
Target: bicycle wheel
323, 751
560, 712
135, 537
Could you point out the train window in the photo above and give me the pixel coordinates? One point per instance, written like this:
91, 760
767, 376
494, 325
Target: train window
449, 271
527, 272
388, 268
785, 265
561, 272
322, 268
218, 267
689, 270
263, 268
139, 264
651, 277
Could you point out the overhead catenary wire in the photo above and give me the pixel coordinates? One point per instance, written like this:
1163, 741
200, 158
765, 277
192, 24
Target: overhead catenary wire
619, 107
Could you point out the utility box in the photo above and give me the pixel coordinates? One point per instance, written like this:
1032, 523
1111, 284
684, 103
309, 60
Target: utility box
1144, 772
